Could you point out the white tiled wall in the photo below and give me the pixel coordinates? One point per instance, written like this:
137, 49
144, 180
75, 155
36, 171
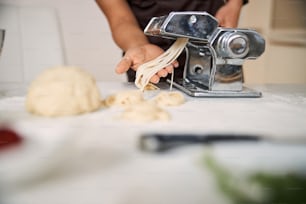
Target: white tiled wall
44, 33
11, 63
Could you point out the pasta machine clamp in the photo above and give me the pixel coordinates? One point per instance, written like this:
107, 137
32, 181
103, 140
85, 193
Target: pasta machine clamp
214, 55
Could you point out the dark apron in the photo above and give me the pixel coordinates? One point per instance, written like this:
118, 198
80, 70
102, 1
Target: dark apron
144, 10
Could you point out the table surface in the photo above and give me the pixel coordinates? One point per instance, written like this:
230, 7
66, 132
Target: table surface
94, 158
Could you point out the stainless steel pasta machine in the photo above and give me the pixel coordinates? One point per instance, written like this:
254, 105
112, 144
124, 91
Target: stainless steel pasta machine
214, 55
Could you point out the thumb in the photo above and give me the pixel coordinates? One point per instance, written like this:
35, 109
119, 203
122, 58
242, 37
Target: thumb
124, 65
220, 19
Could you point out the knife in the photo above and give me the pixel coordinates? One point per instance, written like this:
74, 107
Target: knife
160, 142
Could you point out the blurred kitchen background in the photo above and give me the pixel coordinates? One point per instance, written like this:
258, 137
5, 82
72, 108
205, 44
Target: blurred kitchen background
45, 33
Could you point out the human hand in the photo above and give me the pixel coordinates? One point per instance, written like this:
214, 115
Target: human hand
136, 56
228, 15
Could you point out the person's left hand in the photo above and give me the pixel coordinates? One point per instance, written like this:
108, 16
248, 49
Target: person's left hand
136, 56
228, 15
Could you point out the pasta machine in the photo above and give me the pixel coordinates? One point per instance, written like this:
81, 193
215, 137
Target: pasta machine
214, 55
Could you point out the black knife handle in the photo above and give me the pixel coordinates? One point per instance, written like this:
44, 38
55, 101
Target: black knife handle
158, 142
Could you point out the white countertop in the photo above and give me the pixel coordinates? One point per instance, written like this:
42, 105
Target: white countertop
93, 158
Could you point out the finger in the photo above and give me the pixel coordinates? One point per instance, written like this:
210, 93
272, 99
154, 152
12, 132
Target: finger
154, 79
124, 65
162, 73
169, 69
175, 64
230, 24
221, 22
220, 19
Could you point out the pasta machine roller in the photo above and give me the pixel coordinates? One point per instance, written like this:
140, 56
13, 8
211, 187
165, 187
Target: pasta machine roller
214, 55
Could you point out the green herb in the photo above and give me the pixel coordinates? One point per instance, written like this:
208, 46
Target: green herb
259, 188
287, 189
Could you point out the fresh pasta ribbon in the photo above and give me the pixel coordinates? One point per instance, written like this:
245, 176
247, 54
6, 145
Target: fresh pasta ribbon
148, 69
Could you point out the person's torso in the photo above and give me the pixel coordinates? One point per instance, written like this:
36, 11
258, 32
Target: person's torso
144, 10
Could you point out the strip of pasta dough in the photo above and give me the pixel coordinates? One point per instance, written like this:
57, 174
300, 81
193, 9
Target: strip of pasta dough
148, 69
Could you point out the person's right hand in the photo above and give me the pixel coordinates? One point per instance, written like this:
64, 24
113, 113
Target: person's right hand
136, 56
228, 15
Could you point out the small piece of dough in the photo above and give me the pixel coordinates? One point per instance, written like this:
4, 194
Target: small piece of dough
150, 87
145, 112
125, 98
63, 91
169, 98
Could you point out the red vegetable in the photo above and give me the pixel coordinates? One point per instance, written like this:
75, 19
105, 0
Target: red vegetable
9, 138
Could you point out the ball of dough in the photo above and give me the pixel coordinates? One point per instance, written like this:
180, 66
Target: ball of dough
171, 98
63, 91
145, 112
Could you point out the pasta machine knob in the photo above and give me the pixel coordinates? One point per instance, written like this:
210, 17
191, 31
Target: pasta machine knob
233, 45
